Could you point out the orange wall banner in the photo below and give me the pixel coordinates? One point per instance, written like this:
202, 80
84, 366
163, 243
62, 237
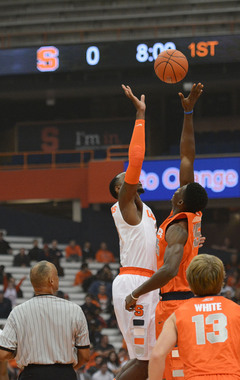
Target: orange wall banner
99, 176
44, 184
89, 184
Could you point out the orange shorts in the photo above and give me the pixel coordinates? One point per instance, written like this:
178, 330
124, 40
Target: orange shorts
163, 310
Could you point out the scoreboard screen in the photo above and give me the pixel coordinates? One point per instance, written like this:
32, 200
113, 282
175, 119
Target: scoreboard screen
116, 54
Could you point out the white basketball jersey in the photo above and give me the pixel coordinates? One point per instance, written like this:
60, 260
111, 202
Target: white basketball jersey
137, 243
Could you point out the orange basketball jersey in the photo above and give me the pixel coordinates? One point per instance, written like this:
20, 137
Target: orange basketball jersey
209, 336
179, 283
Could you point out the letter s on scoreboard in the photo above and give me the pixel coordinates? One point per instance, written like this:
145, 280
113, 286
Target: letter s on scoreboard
47, 58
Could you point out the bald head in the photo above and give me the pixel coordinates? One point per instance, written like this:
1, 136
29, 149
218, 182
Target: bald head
44, 277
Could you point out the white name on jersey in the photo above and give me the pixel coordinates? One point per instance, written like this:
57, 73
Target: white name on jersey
208, 306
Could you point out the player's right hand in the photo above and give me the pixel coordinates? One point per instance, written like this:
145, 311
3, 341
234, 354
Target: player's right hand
130, 303
138, 103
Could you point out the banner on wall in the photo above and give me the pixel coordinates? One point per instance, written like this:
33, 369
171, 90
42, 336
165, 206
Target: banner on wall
219, 176
73, 135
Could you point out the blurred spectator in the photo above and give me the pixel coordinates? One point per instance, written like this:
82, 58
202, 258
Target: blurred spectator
227, 292
103, 373
54, 252
103, 255
99, 319
226, 246
233, 278
103, 298
236, 297
81, 375
4, 246
94, 328
5, 306
112, 321
73, 251
83, 277
90, 304
11, 292
92, 359
95, 366
57, 264
3, 276
105, 274
21, 259
36, 253
233, 263
61, 294
123, 356
14, 291
113, 363
104, 348
87, 252
46, 253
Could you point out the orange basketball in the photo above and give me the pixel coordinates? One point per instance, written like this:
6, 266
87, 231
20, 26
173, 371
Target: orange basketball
171, 66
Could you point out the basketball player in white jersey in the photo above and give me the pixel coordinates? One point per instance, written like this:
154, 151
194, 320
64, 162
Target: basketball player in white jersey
136, 226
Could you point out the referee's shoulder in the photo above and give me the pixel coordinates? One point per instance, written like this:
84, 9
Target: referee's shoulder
70, 304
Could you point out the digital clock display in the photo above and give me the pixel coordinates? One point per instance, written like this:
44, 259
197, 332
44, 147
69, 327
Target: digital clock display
111, 55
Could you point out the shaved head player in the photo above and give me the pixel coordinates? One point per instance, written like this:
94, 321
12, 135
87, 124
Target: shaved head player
136, 226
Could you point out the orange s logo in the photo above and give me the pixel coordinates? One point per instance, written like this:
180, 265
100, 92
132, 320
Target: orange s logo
50, 141
114, 209
47, 58
139, 311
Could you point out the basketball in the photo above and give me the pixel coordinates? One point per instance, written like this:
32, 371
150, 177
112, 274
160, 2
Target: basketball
171, 66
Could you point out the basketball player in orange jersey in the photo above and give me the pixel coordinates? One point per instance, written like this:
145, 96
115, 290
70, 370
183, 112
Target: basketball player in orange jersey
206, 328
179, 235
136, 226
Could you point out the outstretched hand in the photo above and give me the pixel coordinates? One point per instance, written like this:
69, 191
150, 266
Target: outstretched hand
189, 102
139, 104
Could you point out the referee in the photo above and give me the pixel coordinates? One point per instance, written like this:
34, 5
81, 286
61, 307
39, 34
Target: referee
47, 335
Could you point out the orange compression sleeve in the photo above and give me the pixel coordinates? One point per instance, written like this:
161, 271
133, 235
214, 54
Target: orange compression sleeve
136, 153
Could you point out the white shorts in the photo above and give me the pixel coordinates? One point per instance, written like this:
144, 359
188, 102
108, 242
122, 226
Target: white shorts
138, 327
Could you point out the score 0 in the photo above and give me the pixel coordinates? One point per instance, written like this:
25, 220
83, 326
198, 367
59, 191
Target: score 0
202, 49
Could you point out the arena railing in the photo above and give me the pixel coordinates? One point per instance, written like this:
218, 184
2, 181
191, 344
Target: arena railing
58, 159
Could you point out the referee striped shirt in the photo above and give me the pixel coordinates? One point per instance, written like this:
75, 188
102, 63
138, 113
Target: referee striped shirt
45, 330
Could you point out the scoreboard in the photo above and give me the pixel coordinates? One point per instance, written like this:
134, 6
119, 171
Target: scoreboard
116, 54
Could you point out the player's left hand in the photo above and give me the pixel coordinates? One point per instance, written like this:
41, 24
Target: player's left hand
130, 303
189, 102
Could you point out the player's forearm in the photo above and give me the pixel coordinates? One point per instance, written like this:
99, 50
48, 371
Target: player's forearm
136, 153
172, 259
158, 279
140, 114
156, 367
187, 142
83, 357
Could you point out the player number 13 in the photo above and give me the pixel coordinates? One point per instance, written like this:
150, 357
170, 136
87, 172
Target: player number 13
219, 323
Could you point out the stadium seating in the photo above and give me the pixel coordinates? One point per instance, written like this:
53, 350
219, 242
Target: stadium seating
76, 293
29, 22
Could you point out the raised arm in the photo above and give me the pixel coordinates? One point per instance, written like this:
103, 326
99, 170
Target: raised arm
176, 237
187, 142
129, 201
